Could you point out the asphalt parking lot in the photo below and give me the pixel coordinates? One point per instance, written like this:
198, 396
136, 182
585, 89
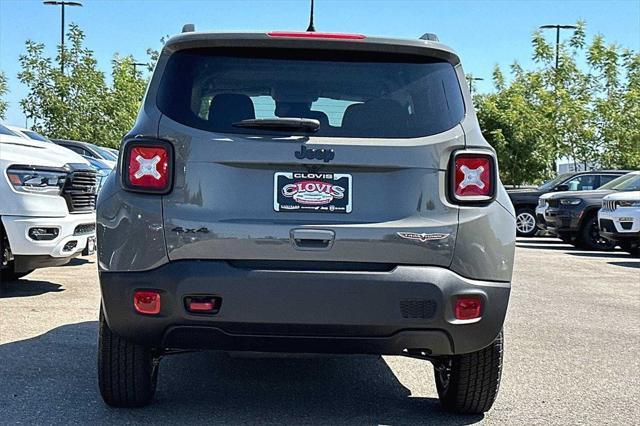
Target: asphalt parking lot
572, 357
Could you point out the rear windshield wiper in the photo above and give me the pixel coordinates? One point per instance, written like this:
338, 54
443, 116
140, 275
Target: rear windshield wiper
284, 123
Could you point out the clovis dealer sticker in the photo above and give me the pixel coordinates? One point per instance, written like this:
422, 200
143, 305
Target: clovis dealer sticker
312, 192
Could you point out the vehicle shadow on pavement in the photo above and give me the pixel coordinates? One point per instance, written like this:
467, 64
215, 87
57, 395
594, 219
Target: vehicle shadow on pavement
615, 254
52, 379
26, 288
544, 247
569, 249
626, 264
77, 261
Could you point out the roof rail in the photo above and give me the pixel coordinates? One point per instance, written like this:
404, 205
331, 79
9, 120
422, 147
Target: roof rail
188, 28
429, 37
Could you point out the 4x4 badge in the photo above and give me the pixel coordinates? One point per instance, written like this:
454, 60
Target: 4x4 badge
325, 155
181, 230
423, 238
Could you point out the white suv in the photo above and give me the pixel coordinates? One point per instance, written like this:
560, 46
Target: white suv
619, 219
47, 213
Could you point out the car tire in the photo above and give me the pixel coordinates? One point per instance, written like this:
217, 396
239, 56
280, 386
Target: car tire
7, 268
590, 238
526, 222
469, 383
127, 372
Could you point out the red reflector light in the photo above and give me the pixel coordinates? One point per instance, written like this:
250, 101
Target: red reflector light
147, 302
473, 178
201, 306
148, 167
309, 34
468, 307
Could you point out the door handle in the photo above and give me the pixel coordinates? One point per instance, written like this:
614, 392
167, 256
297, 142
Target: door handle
312, 239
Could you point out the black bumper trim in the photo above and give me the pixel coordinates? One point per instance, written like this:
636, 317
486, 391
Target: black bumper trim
326, 311
430, 341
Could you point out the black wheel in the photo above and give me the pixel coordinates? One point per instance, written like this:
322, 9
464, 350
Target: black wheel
7, 266
526, 223
469, 383
590, 237
127, 373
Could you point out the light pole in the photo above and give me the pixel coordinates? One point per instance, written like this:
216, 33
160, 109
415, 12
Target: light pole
62, 4
470, 80
558, 28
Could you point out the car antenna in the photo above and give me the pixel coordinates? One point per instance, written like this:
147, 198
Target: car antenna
311, 28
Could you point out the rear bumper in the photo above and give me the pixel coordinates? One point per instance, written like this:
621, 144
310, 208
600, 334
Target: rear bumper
337, 311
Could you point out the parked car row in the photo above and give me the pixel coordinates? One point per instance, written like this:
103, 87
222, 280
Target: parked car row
526, 200
596, 210
48, 193
89, 150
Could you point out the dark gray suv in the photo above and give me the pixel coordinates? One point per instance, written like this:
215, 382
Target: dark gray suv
305, 192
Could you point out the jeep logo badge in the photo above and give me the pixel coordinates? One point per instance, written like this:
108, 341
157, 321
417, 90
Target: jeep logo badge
325, 155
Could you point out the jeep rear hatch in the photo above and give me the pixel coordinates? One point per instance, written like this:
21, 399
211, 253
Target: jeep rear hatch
366, 185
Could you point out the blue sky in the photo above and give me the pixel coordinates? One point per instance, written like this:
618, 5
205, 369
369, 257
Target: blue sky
484, 33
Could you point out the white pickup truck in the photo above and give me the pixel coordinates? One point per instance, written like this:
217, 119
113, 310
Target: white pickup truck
47, 205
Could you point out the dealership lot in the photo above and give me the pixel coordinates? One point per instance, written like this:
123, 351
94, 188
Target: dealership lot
572, 343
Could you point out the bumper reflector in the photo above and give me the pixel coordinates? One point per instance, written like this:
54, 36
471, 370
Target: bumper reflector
468, 307
202, 304
147, 302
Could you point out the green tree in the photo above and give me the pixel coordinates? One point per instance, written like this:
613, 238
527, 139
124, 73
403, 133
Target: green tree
590, 114
79, 104
617, 108
514, 122
569, 97
3, 91
597, 110
125, 95
68, 105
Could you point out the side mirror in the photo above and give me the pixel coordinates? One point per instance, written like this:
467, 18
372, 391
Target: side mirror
562, 187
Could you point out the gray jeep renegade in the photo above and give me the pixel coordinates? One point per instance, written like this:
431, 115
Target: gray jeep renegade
311, 193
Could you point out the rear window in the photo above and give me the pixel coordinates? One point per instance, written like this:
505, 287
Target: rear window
355, 94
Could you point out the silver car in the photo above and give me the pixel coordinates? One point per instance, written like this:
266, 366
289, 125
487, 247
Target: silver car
305, 192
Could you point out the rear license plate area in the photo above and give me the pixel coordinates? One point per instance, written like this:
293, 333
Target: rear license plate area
312, 192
